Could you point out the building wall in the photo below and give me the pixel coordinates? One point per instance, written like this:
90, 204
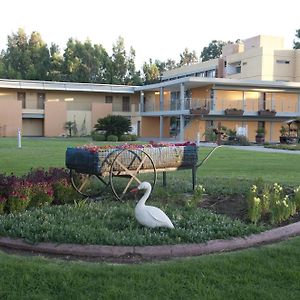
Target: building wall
195, 127
99, 111
10, 116
285, 102
8, 94
55, 118
150, 127
228, 99
297, 65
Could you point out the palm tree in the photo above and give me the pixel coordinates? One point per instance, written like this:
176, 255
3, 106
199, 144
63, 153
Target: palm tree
70, 127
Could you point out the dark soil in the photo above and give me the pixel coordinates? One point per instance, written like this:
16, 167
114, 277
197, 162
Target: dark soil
235, 207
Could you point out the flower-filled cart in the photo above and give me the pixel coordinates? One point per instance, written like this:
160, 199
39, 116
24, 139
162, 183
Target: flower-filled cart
94, 169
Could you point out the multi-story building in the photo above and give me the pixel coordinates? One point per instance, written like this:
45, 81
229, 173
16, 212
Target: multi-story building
41, 108
255, 84
256, 77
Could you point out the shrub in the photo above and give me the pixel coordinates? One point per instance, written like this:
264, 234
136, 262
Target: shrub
125, 137
134, 137
2, 204
112, 138
19, 198
97, 136
272, 202
64, 193
41, 194
114, 125
197, 197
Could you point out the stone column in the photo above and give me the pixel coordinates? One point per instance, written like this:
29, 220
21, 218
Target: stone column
161, 99
181, 130
161, 127
182, 96
142, 104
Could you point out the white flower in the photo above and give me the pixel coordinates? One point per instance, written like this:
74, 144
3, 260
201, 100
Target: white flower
254, 188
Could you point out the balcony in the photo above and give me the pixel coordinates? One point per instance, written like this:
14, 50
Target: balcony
237, 107
29, 113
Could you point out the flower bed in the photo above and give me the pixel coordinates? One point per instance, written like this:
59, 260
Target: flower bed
35, 189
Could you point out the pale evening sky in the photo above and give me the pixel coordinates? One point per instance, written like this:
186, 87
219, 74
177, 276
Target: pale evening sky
158, 29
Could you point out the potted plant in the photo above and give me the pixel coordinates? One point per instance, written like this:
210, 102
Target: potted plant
267, 112
260, 135
199, 111
283, 135
233, 112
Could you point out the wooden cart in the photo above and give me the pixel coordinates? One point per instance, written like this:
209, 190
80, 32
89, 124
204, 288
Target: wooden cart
94, 172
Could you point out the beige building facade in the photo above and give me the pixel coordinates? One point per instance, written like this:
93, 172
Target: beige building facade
255, 84
42, 108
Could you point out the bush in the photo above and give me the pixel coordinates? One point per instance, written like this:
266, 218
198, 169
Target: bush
41, 194
125, 137
64, 193
134, 137
114, 125
112, 138
97, 136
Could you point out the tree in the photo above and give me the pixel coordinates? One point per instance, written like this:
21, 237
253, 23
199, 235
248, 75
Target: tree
17, 59
26, 58
84, 62
297, 40
151, 72
213, 50
133, 77
187, 57
114, 125
56, 63
70, 126
39, 58
119, 62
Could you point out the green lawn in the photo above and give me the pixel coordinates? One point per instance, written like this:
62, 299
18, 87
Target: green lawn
225, 162
269, 272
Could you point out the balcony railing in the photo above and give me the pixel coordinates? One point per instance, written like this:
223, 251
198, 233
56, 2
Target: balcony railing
220, 105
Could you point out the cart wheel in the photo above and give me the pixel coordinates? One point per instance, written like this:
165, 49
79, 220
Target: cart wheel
88, 185
129, 168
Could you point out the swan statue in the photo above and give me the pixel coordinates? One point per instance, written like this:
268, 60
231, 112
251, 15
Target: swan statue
150, 216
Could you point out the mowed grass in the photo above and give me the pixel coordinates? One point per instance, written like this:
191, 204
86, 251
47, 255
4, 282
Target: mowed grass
269, 272
224, 163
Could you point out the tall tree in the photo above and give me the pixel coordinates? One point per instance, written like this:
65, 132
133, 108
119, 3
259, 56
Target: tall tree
297, 40
133, 77
17, 59
151, 72
187, 57
84, 62
39, 56
119, 63
56, 63
213, 50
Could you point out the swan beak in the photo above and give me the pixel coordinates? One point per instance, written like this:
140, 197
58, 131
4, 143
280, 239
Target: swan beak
135, 190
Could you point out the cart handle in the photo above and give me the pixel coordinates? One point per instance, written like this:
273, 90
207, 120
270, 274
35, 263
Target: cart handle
207, 156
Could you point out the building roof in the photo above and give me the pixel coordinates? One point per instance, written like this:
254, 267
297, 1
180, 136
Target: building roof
65, 86
224, 83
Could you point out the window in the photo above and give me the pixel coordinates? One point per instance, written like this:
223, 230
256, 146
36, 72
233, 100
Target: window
22, 97
41, 100
108, 99
282, 61
126, 103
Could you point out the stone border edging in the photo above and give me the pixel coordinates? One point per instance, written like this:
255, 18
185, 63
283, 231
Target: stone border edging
163, 251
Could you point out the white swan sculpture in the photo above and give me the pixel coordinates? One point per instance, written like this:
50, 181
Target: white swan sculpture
150, 216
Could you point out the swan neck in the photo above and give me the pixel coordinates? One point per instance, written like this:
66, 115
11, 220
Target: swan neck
145, 197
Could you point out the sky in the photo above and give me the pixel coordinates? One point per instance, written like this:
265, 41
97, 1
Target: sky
157, 29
